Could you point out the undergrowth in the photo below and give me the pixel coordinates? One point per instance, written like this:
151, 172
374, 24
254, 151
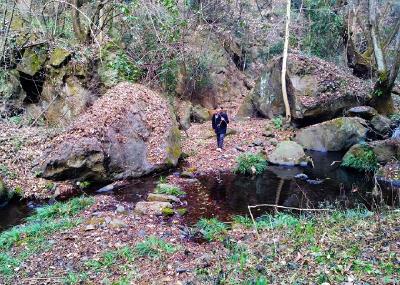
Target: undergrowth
168, 189
249, 163
362, 159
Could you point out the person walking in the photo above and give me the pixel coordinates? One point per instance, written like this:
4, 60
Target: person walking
220, 123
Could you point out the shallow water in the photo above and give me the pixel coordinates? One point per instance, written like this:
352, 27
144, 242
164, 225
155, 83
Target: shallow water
328, 185
226, 195
14, 213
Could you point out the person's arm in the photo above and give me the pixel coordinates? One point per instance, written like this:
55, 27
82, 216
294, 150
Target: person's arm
213, 122
226, 118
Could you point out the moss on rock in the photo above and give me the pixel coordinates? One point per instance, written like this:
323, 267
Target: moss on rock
361, 157
58, 56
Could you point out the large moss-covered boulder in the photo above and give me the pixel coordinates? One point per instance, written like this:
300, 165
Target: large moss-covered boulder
12, 95
368, 156
128, 132
200, 114
63, 100
288, 153
316, 89
334, 135
33, 60
59, 56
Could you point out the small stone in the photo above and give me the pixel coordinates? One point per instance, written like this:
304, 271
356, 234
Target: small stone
258, 143
238, 148
186, 174
117, 223
120, 209
181, 211
167, 212
301, 176
273, 141
182, 270
151, 208
90, 228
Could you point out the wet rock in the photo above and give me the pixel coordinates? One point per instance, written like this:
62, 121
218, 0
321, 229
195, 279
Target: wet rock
288, 153
334, 135
316, 89
381, 124
301, 176
364, 112
59, 56
120, 136
152, 197
151, 208
200, 114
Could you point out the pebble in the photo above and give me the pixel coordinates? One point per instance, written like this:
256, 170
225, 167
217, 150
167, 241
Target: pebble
120, 209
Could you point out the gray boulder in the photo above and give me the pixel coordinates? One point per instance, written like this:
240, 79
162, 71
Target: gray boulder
365, 112
315, 89
128, 132
381, 124
200, 114
288, 153
334, 135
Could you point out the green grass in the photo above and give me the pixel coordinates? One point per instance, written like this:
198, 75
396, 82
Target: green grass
33, 236
212, 229
155, 248
110, 258
249, 163
168, 189
61, 209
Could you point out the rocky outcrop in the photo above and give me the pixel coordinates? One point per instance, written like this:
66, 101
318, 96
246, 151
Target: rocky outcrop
383, 150
129, 132
316, 90
200, 114
288, 153
334, 135
364, 112
12, 95
4, 195
381, 124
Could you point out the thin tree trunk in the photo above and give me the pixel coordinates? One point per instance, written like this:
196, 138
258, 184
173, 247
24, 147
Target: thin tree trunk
76, 21
284, 63
376, 42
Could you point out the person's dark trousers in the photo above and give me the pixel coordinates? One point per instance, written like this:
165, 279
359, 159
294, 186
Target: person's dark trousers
220, 140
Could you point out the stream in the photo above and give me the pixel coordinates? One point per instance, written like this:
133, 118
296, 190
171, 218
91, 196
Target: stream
225, 195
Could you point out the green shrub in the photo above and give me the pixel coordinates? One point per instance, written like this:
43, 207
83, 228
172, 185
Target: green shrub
154, 247
361, 158
248, 163
168, 189
212, 229
278, 122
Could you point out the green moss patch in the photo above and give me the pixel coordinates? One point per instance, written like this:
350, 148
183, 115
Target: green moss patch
361, 158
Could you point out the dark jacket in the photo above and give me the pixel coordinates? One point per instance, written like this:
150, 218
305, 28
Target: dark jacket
220, 122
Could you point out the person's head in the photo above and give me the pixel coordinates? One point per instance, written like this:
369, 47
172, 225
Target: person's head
220, 109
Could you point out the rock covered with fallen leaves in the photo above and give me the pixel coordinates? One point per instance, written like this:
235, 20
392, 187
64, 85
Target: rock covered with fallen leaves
316, 88
129, 132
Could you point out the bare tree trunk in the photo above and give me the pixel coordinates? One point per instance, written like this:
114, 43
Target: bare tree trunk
284, 63
76, 21
376, 42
